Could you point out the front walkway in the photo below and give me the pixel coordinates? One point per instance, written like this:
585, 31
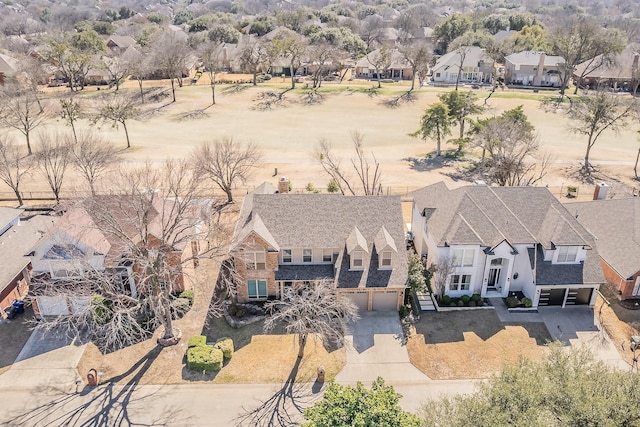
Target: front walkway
376, 347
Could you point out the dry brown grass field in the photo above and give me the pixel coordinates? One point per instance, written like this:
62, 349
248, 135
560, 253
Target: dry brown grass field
287, 133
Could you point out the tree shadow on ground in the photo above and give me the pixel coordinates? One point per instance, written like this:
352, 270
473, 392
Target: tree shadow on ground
312, 97
536, 330
286, 406
448, 327
407, 97
109, 404
234, 89
197, 114
270, 99
428, 163
592, 176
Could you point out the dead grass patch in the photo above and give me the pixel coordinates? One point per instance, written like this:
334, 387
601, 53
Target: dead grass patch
458, 345
619, 331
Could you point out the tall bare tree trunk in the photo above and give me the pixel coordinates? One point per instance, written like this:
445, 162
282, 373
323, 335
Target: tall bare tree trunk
635, 166
303, 342
20, 202
126, 132
141, 91
173, 89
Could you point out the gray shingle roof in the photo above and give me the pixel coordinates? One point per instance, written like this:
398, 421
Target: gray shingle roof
616, 226
530, 57
327, 221
548, 273
306, 272
486, 215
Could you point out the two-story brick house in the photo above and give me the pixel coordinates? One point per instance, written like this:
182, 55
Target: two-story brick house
497, 240
284, 241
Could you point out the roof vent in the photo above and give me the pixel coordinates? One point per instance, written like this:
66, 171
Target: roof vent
479, 182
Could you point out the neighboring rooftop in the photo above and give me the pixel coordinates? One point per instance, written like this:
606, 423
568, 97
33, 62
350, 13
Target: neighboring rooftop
530, 57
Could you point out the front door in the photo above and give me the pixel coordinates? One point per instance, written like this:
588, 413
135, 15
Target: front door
493, 282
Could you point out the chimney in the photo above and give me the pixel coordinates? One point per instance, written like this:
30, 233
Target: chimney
283, 185
600, 193
537, 81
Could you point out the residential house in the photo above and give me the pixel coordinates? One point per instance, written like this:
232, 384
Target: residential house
120, 43
622, 72
499, 240
9, 67
79, 245
17, 236
396, 67
616, 226
286, 241
530, 68
472, 62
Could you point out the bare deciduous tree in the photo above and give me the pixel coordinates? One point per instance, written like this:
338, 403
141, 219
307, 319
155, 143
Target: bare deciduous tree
21, 110
292, 46
14, 166
226, 162
153, 213
418, 55
368, 172
211, 55
117, 65
170, 56
314, 309
594, 115
379, 60
116, 108
53, 157
92, 157
441, 272
254, 57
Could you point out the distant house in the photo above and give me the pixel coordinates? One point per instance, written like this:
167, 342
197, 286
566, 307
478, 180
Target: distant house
529, 68
477, 66
17, 237
284, 242
9, 67
494, 241
616, 226
622, 72
120, 43
503, 35
396, 67
77, 246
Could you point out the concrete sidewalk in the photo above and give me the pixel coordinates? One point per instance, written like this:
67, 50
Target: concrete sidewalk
376, 347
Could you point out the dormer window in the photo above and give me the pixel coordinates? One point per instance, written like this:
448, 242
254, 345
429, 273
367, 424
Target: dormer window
567, 253
307, 255
463, 257
385, 259
357, 260
255, 260
287, 256
327, 255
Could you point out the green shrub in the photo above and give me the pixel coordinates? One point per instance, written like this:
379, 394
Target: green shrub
479, 303
180, 305
332, 186
232, 310
188, 294
240, 312
512, 302
526, 302
100, 310
476, 297
453, 304
226, 346
403, 311
465, 299
472, 303
460, 303
311, 188
204, 358
446, 300
197, 341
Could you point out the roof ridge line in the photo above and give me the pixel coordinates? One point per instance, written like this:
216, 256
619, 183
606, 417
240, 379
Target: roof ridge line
485, 214
535, 238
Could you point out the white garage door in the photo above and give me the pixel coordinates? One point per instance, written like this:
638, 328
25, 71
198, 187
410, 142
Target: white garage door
360, 299
385, 301
52, 306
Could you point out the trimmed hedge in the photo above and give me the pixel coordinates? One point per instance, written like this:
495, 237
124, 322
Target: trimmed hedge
204, 358
197, 341
226, 346
188, 294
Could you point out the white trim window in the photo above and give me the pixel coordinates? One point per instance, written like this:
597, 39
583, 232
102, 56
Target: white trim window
287, 256
256, 289
460, 282
307, 255
567, 254
327, 255
385, 260
255, 260
357, 260
463, 257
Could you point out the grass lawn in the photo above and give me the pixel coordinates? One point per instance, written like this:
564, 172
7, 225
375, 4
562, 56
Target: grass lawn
458, 345
262, 358
13, 336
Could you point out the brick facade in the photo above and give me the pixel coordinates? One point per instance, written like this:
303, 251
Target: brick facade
623, 286
268, 274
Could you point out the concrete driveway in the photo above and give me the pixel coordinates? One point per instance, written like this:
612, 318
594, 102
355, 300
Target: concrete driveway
376, 347
579, 327
48, 359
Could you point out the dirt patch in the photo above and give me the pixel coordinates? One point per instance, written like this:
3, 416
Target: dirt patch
619, 331
13, 336
458, 345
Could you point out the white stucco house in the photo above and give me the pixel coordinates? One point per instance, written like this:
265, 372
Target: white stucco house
498, 240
